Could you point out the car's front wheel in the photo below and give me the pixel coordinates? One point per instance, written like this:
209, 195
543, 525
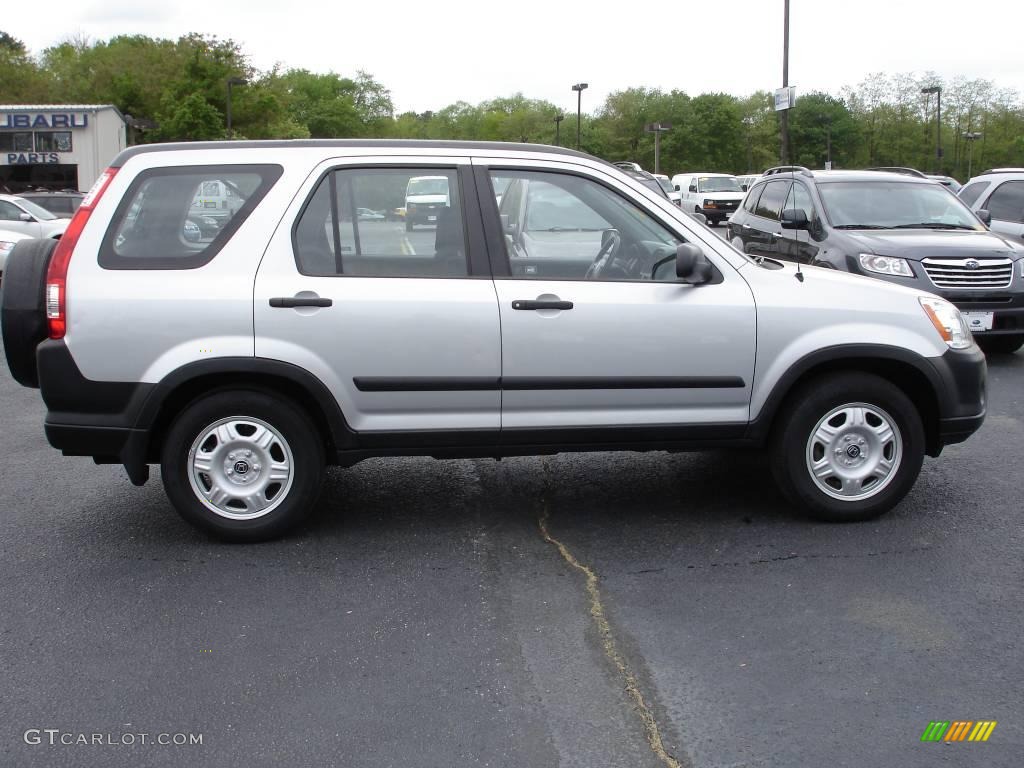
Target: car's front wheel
243, 465
849, 446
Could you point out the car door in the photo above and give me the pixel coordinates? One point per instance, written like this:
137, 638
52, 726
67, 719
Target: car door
762, 231
402, 327
11, 220
798, 244
598, 340
1006, 204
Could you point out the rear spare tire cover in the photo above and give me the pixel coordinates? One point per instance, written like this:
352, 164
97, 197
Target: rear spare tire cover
23, 307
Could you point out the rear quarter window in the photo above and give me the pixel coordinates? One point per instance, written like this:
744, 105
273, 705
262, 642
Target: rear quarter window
165, 220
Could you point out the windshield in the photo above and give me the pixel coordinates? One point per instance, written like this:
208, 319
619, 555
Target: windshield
427, 187
894, 205
666, 185
36, 210
718, 184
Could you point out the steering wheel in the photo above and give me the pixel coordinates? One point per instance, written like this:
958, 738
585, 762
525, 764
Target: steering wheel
610, 242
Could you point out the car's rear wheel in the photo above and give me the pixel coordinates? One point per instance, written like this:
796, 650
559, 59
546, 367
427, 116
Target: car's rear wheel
243, 465
849, 446
1000, 345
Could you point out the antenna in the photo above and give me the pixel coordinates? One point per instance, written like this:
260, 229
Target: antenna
799, 275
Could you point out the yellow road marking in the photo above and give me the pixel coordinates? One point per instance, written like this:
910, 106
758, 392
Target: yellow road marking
610, 646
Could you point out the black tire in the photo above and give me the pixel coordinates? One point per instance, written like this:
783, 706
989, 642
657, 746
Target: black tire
797, 421
408, 226
1000, 345
23, 307
300, 436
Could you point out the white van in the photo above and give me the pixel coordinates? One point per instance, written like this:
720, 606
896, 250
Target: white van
425, 197
716, 195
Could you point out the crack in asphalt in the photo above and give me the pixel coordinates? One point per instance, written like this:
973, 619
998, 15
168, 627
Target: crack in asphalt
609, 643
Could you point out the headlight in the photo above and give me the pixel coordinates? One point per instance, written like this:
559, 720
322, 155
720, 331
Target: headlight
710, 204
885, 265
947, 321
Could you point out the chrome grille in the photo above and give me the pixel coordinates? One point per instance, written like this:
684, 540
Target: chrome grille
954, 273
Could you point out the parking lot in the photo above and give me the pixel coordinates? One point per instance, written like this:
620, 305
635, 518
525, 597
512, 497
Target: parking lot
424, 618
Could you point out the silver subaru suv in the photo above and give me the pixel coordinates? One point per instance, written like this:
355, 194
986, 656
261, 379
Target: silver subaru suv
556, 304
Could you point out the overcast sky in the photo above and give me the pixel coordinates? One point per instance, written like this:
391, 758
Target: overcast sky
434, 52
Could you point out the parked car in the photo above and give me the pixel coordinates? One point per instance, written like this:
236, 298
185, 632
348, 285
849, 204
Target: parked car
7, 242
900, 228
20, 215
946, 181
366, 214
716, 195
747, 179
666, 184
1000, 192
426, 199
628, 165
899, 169
61, 204
242, 377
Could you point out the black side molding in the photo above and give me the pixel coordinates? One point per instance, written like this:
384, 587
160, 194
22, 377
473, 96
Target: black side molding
521, 383
426, 383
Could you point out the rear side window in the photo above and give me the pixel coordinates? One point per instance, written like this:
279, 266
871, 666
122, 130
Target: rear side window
1007, 202
383, 222
769, 206
972, 192
169, 218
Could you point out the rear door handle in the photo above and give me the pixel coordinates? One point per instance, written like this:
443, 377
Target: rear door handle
535, 304
299, 301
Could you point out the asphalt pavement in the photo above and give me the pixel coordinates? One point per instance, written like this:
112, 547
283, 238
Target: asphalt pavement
585, 610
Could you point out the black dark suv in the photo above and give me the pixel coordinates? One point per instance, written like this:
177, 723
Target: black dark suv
900, 228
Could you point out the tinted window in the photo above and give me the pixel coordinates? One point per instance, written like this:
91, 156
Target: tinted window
354, 225
565, 227
769, 205
750, 201
1007, 202
800, 199
157, 224
972, 192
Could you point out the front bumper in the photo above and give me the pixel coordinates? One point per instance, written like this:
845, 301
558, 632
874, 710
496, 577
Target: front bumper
963, 396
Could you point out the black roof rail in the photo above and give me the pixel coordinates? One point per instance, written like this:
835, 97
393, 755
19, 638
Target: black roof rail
899, 169
1002, 170
788, 169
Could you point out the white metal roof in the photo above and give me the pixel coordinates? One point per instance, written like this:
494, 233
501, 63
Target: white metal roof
54, 107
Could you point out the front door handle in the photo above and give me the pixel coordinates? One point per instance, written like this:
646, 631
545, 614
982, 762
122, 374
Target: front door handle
299, 301
540, 304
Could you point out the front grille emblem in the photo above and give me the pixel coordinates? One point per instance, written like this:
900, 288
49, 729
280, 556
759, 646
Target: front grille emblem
972, 264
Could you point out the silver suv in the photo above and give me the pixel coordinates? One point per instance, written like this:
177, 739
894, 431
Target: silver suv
299, 334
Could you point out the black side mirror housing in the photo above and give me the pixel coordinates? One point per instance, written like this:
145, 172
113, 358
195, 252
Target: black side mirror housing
692, 187
795, 218
692, 266
985, 216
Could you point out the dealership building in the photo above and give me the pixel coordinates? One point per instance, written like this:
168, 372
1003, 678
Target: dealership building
57, 146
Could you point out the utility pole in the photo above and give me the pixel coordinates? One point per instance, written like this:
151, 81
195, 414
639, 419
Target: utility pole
657, 129
558, 124
233, 81
937, 90
784, 115
970, 137
580, 88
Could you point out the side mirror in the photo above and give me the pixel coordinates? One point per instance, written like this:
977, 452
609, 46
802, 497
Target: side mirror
25, 217
985, 216
692, 266
795, 218
678, 188
693, 187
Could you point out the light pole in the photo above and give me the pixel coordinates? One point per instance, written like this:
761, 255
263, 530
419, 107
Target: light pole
784, 117
970, 137
748, 121
937, 90
233, 81
558, 125
579, 88
657, 129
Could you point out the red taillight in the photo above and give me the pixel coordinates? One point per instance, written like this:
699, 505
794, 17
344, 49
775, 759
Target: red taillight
57, 272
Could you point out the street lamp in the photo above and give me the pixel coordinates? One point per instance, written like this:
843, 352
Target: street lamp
657, 129
970, 137
579, 88
558, 124
937, 90
233, 81
784, 115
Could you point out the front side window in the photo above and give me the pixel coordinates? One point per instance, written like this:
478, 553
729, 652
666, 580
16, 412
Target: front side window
53, 141
566, 227
1007, 202
893, 205
800, 199
769, 205
156, 226
383, 222
972, 192
9, 211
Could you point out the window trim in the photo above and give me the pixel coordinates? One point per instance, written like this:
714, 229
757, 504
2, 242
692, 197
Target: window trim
270, 173
477, 261
500, 266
